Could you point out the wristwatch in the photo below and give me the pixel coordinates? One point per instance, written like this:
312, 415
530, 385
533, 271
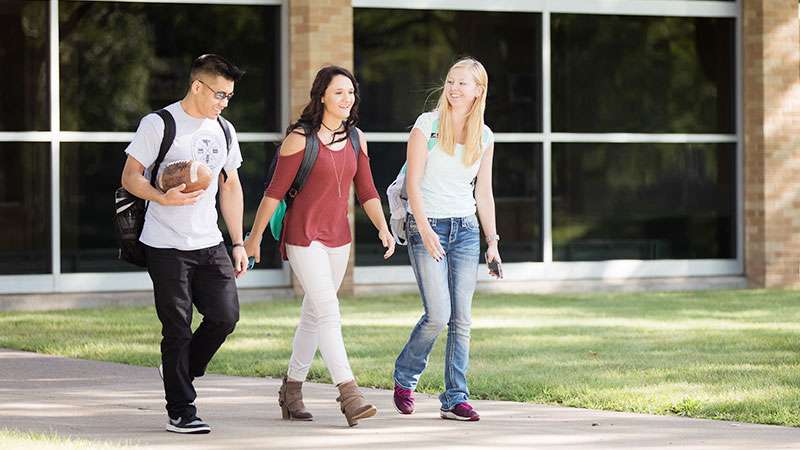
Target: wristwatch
492, 238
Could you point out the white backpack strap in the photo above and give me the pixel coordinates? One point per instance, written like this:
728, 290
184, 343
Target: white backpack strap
432, 140
434, 137
486, 137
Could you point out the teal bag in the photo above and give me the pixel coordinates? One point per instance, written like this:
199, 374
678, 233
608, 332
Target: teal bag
276, 221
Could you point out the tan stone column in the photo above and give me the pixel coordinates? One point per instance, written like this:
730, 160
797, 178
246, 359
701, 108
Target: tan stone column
320, 33
771, 67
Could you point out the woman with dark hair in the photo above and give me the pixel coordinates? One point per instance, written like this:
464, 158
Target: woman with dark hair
316, 234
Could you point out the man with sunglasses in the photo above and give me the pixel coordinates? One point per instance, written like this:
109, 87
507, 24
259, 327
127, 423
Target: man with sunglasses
186, 258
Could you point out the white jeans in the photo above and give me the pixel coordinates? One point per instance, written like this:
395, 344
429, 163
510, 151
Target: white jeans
320, 270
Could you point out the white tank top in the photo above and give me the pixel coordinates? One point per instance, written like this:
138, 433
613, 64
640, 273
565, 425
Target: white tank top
446, 184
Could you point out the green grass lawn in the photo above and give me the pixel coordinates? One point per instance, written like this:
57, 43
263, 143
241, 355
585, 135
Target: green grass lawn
729, 355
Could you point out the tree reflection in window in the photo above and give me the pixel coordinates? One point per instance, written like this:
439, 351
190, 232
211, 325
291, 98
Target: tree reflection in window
401, 57
24, 58
643, 74
644, 201
122, 60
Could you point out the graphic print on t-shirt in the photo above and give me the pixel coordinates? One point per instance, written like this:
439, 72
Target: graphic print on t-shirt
208, 149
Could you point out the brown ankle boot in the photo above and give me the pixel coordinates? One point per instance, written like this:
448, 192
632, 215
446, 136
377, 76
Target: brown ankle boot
290, 397
354, 407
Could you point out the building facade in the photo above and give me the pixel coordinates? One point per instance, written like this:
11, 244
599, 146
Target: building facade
636, 140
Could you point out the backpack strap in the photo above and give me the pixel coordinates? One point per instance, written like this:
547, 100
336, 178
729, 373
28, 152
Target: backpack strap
227, 132
355, 140
434, 137
485, 137
166, 142
309, 158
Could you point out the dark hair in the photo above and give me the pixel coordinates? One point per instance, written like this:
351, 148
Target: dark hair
311, 117
215, 65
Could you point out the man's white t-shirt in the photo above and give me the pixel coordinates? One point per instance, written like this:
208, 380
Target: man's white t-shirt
188, 227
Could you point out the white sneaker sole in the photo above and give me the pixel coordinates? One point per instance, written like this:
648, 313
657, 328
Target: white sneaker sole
453, 416
196, 430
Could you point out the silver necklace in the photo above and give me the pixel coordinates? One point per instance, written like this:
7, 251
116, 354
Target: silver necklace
337, 174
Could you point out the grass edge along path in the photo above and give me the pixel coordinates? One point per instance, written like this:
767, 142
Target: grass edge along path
728, 355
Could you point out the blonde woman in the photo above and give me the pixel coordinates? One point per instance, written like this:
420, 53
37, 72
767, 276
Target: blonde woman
447, 149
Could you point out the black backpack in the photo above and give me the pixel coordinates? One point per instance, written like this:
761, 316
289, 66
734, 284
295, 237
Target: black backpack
129, 210
309, 158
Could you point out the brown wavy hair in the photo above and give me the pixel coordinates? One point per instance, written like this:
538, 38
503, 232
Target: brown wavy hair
311, 117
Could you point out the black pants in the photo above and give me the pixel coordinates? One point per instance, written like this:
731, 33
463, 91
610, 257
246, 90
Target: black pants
204, 278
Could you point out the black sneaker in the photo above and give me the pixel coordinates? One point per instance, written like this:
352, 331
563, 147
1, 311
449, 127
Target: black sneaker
188, 425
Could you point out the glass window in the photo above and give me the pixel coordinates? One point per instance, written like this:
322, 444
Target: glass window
386, 159
517, 192
401, 57
120, 60
25, 208
517, 186
24, 57
252, 173
90, 172
643, 74
643, 201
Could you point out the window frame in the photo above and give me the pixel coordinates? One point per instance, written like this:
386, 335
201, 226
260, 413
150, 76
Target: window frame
549, 270
58, 282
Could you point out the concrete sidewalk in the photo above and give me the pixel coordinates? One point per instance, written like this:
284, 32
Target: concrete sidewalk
124, 404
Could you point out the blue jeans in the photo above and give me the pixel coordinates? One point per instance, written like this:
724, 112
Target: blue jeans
446, 288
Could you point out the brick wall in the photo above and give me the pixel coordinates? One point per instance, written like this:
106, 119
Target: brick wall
771, 68
320, 33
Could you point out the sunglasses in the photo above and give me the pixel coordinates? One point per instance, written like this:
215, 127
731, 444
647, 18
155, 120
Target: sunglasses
219, 95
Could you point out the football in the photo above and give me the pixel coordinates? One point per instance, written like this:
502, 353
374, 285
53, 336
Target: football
194, 174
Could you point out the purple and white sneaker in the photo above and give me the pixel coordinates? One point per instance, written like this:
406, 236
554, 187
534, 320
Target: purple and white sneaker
403, 399
462, 411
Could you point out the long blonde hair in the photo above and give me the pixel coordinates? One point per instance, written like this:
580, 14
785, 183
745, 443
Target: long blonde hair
474, 122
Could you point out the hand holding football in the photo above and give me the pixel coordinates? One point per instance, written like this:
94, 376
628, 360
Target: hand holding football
194, 174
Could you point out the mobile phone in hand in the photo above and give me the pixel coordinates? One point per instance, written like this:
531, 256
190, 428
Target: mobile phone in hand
495, 268
251, 260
